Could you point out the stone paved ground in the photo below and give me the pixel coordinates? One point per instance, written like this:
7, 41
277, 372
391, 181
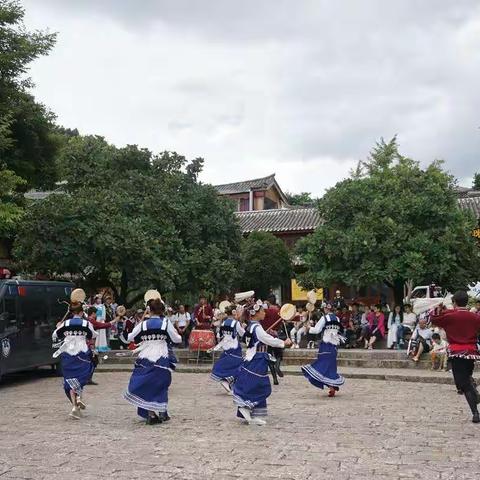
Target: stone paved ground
372, 430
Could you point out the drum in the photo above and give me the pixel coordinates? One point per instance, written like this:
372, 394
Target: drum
201, 340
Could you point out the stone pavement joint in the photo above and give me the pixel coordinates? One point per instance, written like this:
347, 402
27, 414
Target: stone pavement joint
371, 430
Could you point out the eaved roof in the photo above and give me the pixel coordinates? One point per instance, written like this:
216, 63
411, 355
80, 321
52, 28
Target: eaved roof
263, 183
279, 220
471, 201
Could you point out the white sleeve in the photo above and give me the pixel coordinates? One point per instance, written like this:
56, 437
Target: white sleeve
267, 339
94, 333
318, 327
134, 332
240, 329
188, 317
54, 334
390, 320
173, 334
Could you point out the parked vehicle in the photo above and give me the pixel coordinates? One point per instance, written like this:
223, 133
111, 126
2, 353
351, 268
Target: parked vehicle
29, 312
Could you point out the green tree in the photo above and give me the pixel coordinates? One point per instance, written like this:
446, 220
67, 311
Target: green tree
132, 220
27, 142
265, 263
303, 199
11, 202
394, 222
476, 181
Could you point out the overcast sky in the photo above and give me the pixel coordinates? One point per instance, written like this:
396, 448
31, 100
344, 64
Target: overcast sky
302, 88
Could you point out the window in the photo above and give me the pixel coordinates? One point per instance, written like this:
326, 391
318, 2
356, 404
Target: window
244, 204
8, 313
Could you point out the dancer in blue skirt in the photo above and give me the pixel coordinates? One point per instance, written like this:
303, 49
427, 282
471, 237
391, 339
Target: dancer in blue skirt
323, 372
75, 356
226, 367
252, 386
152, 375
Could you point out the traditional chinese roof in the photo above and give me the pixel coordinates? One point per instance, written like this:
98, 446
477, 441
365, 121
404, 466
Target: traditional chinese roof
471, 201
279, 220
263, 183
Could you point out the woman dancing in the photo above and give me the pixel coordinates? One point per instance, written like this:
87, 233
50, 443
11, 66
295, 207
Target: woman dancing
226, 367
148, 387
252, 386
323, 372
75, 356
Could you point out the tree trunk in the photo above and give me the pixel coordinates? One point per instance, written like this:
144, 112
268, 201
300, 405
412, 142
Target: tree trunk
398, 291
122, 300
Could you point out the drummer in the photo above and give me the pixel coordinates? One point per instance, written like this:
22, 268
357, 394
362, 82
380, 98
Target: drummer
252, 386
203, 314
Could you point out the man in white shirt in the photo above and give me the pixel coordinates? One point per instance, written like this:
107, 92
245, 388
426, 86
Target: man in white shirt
181, 320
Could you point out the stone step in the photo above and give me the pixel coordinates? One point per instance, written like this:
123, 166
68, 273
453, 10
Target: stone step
385, 374
346, 358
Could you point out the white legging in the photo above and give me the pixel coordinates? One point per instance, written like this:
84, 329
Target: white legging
296, 335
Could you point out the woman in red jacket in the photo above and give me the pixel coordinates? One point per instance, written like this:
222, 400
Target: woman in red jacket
377, 326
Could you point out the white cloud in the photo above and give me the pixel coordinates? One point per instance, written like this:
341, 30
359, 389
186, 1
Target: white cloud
303, 89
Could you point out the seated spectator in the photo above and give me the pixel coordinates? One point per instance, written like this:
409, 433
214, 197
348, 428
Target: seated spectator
365, 325
438, 354
348, 330
298, 330
181, 320
395, 320
407, 326
356, 318
421, 340
376, 327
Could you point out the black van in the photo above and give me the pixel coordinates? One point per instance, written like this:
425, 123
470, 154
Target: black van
29, 312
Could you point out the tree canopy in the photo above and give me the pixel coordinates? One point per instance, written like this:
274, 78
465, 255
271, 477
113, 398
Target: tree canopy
303, 199
28, 143
391, 222
132, 220
265, 263
476, 181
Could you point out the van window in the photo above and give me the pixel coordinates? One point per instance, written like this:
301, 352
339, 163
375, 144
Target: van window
56, 295
8, 313
33, 311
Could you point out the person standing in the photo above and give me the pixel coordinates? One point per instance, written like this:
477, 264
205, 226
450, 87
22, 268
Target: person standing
97, 326
152, 376
226, 367
395, 320
75, 356
101, 342
182, 322
462, 329
323, 372
252, 386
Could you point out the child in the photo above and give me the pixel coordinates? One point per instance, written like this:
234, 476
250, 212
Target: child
298, 330
438, 353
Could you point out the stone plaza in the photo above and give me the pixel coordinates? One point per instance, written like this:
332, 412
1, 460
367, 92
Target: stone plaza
372, 430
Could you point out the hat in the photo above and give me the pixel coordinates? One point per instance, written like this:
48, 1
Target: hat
223, 305
254, 308
77, 296
139, 311
288, 311
151, 295
121, 310
241, 296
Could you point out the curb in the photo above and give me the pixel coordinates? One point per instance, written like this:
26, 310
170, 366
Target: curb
352, 375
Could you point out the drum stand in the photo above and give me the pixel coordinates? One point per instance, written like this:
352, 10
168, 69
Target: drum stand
200, 341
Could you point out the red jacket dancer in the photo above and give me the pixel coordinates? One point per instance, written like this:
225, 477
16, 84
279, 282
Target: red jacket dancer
203, 314
462, 328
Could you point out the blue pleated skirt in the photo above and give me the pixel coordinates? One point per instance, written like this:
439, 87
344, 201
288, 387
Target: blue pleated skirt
77, 371
252, 386
323, 372
148, 386
227, 366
